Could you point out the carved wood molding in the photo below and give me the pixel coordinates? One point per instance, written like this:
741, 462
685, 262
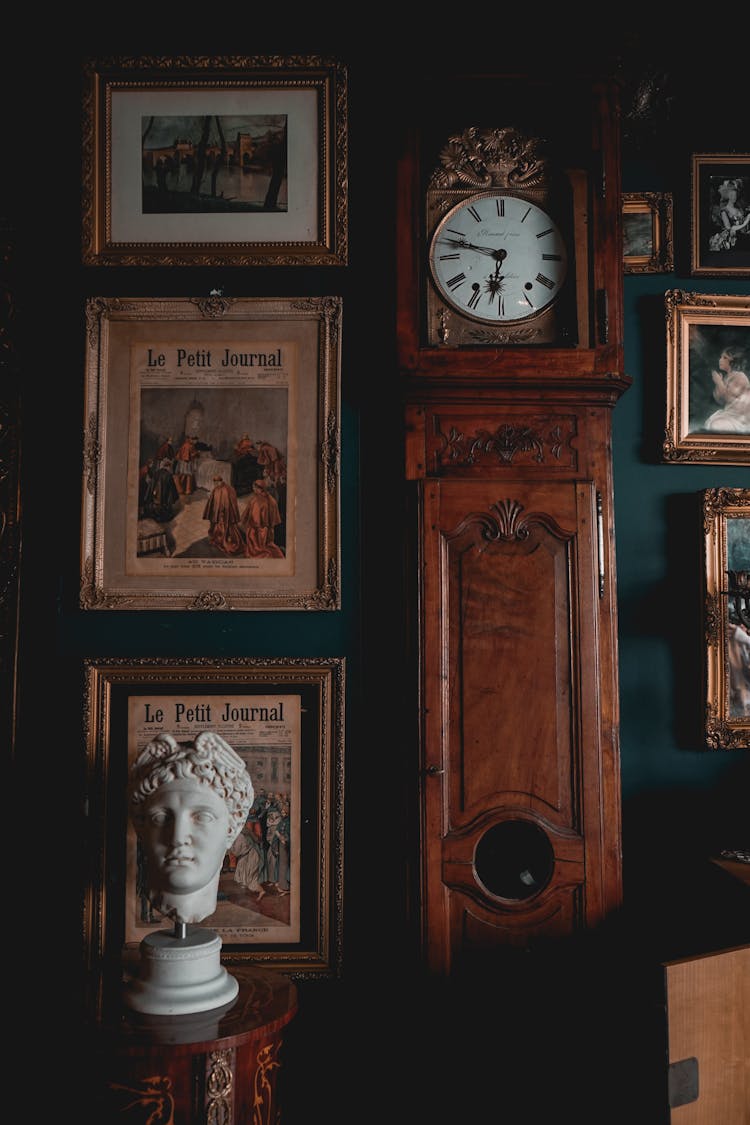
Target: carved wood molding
540, 440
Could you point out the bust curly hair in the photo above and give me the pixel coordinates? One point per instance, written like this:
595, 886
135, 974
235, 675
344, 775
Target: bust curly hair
208, 759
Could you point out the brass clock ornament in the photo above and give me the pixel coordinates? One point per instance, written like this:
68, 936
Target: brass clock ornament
498, 222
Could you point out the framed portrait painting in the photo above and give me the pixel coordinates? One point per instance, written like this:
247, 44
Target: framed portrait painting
211, 454
648, 245
720, 215
726, 536
708, 378
203, 160
279, 899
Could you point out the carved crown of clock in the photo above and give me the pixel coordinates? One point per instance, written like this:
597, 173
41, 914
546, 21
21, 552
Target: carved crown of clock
497, 257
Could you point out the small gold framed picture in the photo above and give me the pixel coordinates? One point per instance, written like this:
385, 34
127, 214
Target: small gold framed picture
647, 242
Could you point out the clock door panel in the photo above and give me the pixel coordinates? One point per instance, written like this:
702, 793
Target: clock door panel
511, 738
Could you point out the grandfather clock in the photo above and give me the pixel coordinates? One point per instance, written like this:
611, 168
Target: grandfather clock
510, 349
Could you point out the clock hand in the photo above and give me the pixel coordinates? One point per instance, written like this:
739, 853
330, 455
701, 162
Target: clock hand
461, 244
494, 282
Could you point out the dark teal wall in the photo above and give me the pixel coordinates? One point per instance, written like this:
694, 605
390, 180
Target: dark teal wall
681, 802
678, 796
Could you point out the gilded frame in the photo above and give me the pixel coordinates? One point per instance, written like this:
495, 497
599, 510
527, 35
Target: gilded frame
284, 193
302, 932
704, 424
726, 537
719, 240
217, 371
648, 244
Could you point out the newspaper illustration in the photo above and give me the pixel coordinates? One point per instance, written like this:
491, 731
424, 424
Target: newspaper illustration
212, 458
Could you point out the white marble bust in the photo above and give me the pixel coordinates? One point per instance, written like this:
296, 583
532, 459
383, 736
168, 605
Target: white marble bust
188, 803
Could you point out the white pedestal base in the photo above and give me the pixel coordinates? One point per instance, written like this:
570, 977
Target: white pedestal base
179, 975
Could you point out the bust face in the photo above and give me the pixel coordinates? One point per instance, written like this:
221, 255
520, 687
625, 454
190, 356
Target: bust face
185, 830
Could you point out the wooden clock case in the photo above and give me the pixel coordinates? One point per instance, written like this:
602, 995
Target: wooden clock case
508, 459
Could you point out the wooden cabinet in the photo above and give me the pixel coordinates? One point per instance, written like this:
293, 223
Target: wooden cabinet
508, 455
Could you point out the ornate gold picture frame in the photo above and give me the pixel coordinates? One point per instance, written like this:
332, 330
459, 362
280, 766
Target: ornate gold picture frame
211, 458
726, 535
708, 378
285, 718
648, 245
203, 160
720, 215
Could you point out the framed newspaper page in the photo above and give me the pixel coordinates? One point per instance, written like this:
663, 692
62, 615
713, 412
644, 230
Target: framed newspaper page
211, 454
279, 899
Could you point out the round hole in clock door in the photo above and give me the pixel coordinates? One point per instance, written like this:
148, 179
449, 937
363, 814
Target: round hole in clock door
514, 859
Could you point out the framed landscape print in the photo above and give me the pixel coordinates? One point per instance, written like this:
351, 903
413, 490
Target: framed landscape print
708, 378
720, 215
285, 719
726, 530
211, 454
199, 160
647, 232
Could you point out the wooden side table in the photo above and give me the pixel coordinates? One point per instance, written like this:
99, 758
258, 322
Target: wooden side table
210, 1068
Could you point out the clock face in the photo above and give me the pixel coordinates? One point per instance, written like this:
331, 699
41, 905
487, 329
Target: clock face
498, 258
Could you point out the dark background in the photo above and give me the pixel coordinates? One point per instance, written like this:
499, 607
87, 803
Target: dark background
382, 1043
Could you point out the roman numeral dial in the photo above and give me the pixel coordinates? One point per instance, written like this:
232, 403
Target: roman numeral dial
498, 258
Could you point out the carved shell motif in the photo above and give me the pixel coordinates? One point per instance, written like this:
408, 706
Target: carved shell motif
490, 158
